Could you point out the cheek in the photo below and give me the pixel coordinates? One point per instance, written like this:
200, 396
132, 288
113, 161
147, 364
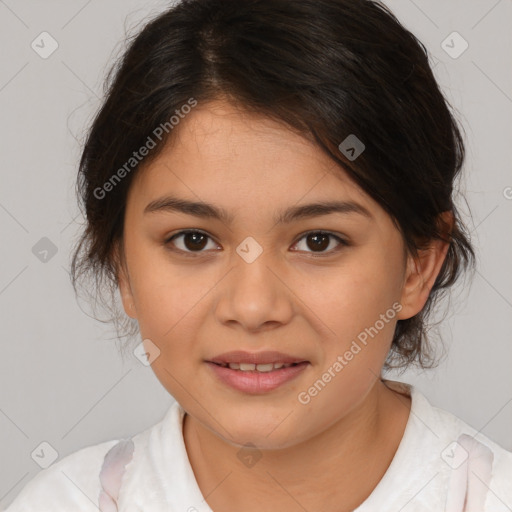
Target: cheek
171, 311
169, 306
165, 295
357, 305
355, 295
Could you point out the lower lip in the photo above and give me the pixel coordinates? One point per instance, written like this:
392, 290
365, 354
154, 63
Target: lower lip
255, 382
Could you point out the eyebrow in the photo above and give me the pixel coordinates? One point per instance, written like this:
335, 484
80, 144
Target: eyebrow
294, 213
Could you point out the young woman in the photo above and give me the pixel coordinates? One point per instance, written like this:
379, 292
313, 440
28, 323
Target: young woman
269, 185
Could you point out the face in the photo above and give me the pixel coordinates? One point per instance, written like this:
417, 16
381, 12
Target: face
324, 289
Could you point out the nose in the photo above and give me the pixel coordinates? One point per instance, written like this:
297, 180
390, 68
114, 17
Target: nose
255, 295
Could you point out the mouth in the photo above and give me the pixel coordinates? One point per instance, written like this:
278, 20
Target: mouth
266, 361
252, 367
256, 372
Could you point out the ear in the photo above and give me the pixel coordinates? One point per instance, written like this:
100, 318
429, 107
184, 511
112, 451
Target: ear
422, 271
123, 281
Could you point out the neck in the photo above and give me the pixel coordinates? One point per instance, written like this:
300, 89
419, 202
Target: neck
334, 471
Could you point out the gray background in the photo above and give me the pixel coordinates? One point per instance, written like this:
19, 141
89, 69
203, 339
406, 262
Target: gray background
62, 380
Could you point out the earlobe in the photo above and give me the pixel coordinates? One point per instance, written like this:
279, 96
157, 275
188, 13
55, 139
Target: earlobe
126, 295
125, 290
421, 275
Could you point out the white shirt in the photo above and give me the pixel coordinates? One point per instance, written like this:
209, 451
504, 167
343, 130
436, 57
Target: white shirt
441, 465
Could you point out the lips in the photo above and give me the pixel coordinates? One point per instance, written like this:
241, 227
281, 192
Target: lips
255, 382
256, 358
256, 372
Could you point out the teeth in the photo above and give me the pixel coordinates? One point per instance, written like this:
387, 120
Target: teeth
245, 367
265, 367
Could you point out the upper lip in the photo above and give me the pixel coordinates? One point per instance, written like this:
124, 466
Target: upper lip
240, 356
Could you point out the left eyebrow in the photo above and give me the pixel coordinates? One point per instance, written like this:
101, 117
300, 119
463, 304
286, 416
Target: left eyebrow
207, 210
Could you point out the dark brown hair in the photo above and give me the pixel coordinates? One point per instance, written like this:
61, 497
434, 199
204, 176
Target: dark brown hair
327, 69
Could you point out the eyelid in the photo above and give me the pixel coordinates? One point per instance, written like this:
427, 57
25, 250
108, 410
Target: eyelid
339, 238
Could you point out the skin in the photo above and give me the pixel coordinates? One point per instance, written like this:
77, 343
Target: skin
330, 453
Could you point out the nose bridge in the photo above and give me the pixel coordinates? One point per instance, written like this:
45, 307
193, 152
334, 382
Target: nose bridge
252, 262
253, 294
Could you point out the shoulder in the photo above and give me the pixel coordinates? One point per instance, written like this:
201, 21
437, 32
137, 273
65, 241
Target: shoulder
69, 484
75, 482
473, 460
500, 489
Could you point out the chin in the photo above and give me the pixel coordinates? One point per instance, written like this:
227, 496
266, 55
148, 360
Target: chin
265, 435
259, 441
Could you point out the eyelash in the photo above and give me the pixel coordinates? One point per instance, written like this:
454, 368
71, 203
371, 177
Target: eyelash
194, 254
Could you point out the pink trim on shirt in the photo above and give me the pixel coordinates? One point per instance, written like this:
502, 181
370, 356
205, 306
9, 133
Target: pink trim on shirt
467, 490
111, 474
469, 482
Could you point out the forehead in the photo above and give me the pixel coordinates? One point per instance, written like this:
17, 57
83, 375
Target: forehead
222, 155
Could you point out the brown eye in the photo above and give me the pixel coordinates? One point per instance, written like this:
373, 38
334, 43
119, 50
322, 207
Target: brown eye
192, 241
319, 241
